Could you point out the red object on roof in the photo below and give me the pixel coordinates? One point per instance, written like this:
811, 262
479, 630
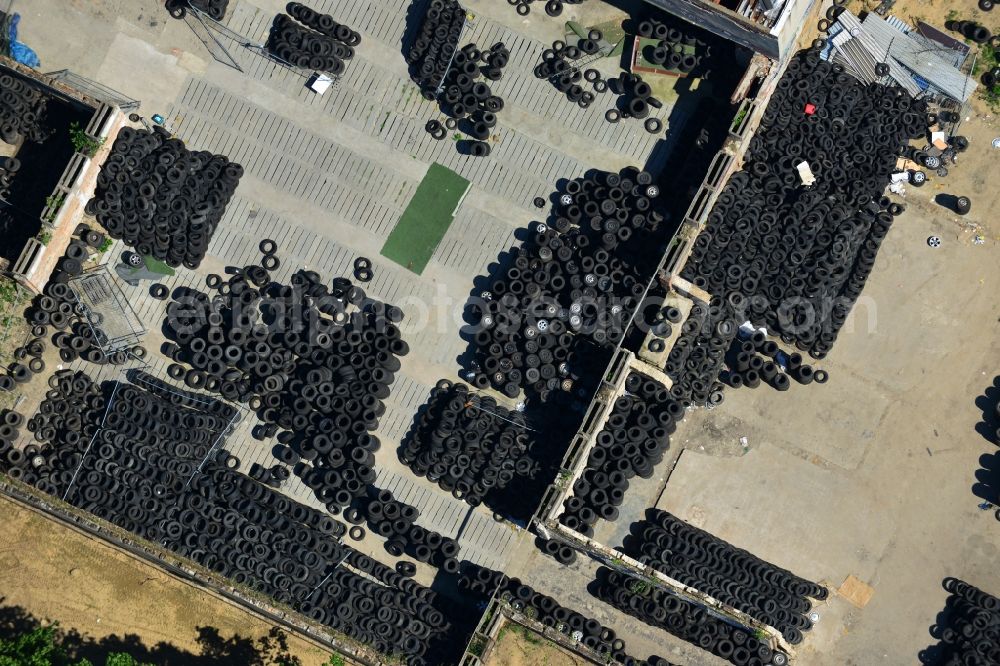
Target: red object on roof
810, 109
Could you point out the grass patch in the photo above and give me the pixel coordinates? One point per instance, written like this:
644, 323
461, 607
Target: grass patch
426, 219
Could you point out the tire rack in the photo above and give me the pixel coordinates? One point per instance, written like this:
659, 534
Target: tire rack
260, 48
130, 330
447, 70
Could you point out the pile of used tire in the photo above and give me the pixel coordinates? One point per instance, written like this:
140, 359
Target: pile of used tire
313, 361
10, 432
395, 522
553, 8
759, 360
578, 281
770, 594
558, 67
632, 443
973, 31
155, 470
161, 198
468, 444
682, 47
79, 333
215, 9
969, 630
684, 619
635, 100
23, 110
435, 44
463, 96
483, 582
308, 39
698, 355
799, 257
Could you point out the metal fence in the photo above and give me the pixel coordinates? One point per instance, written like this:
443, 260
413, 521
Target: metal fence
92, 88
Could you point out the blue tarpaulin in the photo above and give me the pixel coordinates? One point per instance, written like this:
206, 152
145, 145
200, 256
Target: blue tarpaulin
18, 51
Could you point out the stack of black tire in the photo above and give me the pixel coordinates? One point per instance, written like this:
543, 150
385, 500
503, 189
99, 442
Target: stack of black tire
688, 621
578, 280
772, 595
435, 44
558, 67
632, 443
10, 433
468, 444
313, 361
23, 111
682, 47
789, 251
972, 31
695, 361
463, 96
161, 198
968, 629
760, 360
395, 521
155, 469
482, 582
308, 39
552, 7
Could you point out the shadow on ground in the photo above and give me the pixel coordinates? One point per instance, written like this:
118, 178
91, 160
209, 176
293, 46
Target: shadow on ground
213, 648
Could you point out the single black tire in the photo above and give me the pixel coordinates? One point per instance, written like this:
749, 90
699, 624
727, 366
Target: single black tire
268, 247
159, 291
653, 125
357, 533
612, 115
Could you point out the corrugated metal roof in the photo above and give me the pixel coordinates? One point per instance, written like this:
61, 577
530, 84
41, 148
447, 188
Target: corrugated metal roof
907, 58
878, 50
898, 24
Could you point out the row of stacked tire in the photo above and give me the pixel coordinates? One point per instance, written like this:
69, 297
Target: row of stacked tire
968, 629
698, 354
571, 289
770, 594
312, 360
684, 619
681, 47
395, 521
468, 444
632, 442
483, 583
23, 110
435, 44
161, 198
800, 257
306, 38
155, 469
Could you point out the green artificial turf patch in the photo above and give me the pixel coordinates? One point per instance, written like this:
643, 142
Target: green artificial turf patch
426, 219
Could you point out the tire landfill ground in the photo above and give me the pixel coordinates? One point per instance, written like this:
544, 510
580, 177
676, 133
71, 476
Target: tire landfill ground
161, 198
796, 259
313, 362
308, 39
22, 111
563, 299
632, 443
468, 444
684, 619
78, 331
968, 629
156, 468
483, 583
772, 595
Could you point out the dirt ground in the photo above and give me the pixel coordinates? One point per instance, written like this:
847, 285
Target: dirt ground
53, 573
517, 646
